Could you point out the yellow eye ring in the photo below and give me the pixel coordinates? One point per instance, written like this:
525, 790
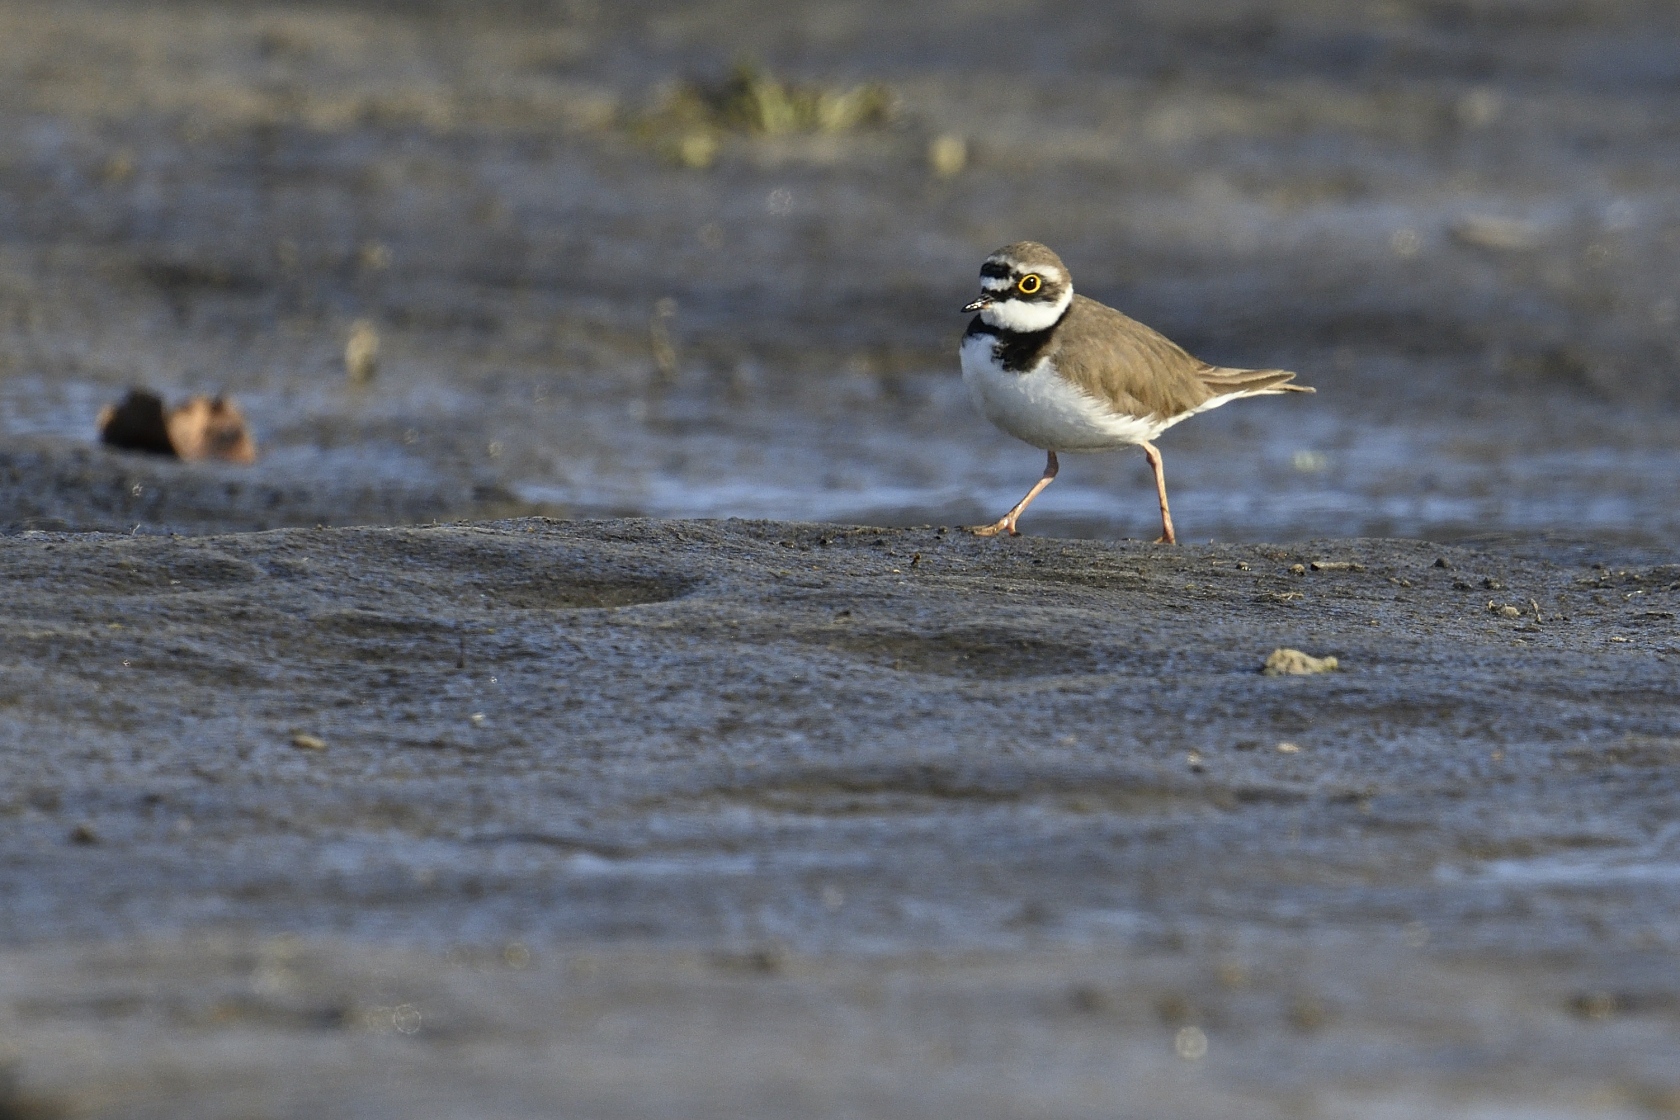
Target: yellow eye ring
1030, 283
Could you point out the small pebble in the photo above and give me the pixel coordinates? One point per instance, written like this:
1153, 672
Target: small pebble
304, 741
947, 155
361, 352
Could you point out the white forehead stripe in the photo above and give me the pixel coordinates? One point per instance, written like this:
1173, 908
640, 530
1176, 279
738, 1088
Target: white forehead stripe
1050, 273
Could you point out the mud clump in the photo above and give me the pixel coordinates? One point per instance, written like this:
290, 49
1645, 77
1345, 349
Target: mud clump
1294, 663
203, 428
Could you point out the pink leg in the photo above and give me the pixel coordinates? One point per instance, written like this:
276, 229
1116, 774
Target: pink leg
1007, 524
1154, 458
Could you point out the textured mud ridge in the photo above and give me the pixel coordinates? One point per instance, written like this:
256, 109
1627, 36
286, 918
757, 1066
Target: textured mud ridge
753, 818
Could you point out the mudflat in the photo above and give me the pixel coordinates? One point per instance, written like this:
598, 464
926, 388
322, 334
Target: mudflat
590, 814
735, 818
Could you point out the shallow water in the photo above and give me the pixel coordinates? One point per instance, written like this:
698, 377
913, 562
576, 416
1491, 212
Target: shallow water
1293, 468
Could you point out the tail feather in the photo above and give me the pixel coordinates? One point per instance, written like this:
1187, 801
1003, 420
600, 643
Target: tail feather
1249, 382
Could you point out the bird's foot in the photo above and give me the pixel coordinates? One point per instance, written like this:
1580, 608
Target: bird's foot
1004, 527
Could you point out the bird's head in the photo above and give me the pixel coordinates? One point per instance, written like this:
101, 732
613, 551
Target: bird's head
1023, 287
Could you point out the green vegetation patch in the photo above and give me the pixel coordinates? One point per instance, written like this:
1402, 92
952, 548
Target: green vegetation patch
691, 121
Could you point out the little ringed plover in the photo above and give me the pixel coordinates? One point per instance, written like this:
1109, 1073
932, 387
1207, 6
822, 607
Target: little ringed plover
1066, 373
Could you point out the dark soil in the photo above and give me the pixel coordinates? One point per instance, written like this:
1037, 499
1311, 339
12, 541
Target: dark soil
749, 818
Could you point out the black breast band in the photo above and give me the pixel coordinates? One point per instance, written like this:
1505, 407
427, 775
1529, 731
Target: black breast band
1017, 351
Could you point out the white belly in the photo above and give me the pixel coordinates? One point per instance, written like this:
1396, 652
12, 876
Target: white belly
1044, 410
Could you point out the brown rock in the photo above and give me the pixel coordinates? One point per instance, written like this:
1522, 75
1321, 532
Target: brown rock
136, 423
203, 428
211, 428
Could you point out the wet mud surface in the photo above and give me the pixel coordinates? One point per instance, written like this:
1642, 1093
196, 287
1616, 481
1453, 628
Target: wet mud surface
757, 818
349, 784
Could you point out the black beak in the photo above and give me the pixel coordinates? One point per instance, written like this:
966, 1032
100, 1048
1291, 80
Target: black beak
979, 304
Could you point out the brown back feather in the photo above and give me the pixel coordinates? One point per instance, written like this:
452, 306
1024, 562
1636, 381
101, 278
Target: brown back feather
1141, 372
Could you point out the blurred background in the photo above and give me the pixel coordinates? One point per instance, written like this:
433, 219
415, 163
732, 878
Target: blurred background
704, 259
